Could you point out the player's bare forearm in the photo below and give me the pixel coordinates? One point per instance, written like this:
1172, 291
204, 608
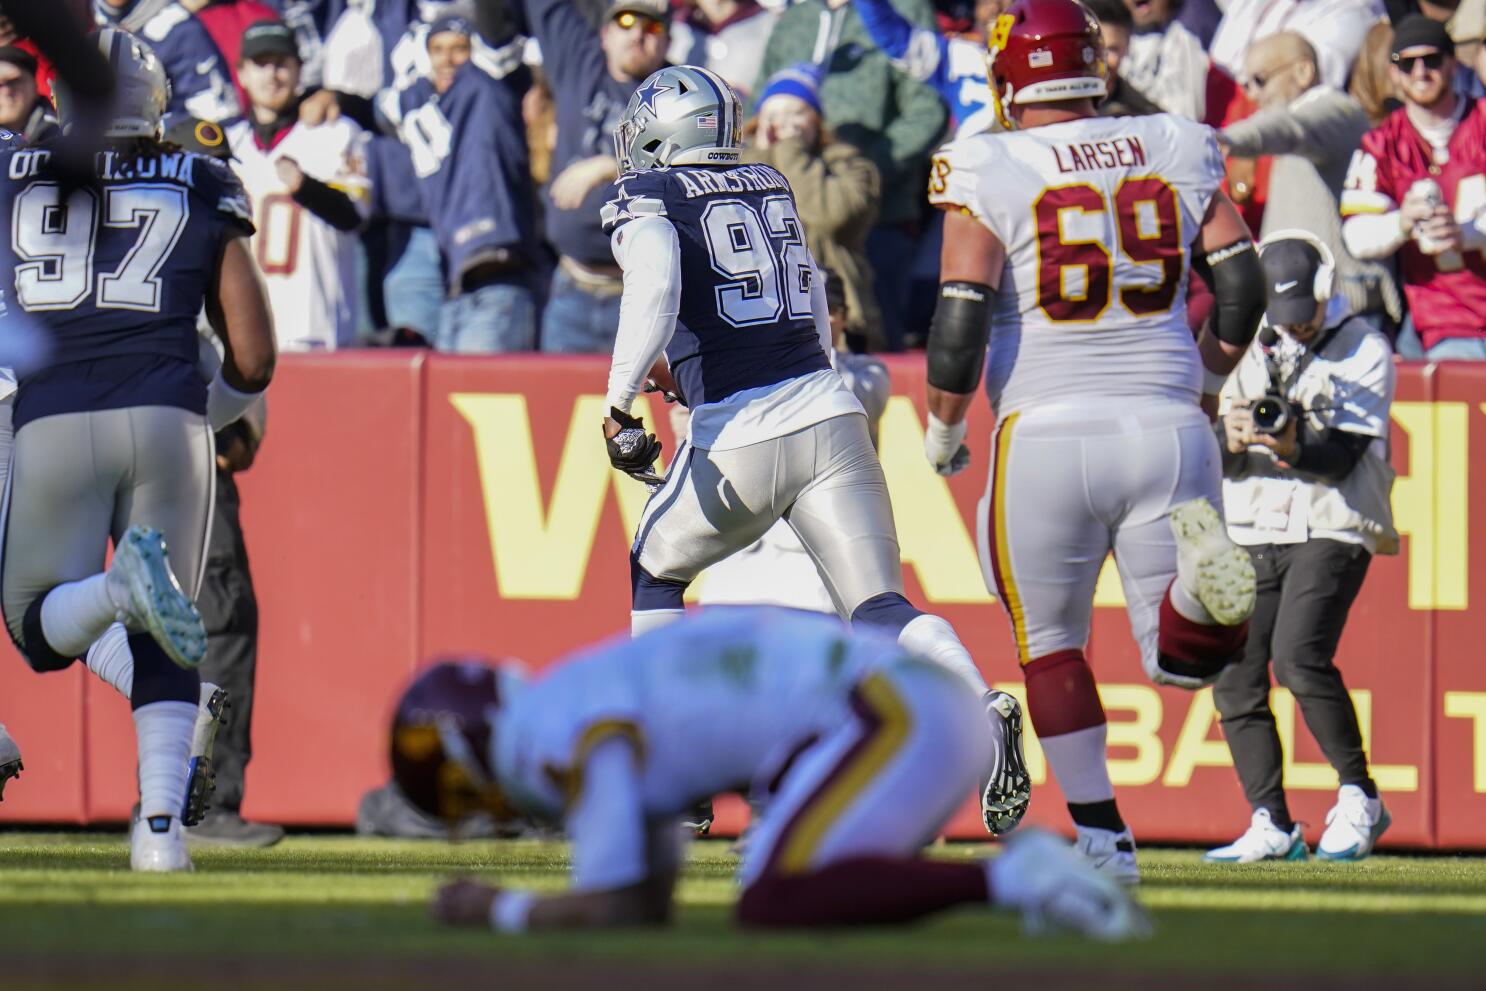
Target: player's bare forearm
1218, 357
238, 311
469, 903
949, 407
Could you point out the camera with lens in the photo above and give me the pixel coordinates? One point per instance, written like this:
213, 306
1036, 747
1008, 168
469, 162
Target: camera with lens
1272, 413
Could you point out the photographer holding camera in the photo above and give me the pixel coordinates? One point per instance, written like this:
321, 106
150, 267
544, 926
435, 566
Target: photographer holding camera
1304, 434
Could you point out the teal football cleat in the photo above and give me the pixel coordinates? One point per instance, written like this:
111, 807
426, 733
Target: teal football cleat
1263, 840
1353, 825
140, 576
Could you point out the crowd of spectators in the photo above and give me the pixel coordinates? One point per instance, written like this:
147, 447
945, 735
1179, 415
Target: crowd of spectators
430, 172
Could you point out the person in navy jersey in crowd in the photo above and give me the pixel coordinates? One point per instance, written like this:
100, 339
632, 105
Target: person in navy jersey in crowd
200, 81
592, 75
469, 150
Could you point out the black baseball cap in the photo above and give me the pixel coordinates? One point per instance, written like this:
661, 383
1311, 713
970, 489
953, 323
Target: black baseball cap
268, 37
1418, 31
200, 136
1290, 268
18, 57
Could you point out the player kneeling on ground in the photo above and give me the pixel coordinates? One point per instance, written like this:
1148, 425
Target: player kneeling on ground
858, 752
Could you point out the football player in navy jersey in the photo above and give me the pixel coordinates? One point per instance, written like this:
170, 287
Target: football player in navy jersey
113, 431
718, 279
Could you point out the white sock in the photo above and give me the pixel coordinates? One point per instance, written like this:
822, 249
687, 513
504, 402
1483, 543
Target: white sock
1187, 605
163, 732
933, 638
75, 614
1078, 762
642, 621
110, 659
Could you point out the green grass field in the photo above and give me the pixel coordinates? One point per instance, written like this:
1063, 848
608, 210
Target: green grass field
330, 911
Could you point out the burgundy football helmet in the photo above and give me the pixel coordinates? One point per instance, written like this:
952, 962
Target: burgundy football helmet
441, 735
1045, 50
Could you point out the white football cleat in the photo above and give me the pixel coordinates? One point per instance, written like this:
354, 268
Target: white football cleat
158, 850
1057, 890
1211, 568
1263, 840
10, 760
1008, 786
1111, 854
200, 774
1353, 825
141, 576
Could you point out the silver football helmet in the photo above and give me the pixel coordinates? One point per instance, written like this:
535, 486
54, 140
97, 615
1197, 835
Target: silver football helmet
141, 89
681, 115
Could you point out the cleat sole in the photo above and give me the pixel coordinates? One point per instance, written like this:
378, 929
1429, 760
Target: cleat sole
1225, 580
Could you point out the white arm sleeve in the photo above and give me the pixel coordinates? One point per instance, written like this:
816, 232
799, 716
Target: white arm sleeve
1372, 235
606, 822
650, 254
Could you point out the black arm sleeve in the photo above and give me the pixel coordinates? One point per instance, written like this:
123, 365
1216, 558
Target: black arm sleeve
1331, 454
1237, 282
328, 203
958, 336
359, 109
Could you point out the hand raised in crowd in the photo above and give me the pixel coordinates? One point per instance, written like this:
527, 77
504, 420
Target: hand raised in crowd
290, 174
580, 178
319, 108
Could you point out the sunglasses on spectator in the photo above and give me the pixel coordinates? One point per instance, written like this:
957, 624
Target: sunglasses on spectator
1432, 61
629, 19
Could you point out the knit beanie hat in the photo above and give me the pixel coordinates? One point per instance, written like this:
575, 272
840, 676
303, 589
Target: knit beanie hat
801, 80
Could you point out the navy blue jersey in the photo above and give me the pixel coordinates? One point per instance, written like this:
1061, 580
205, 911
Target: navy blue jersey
745, 320
200, 81
116, 274
590, 103
469, 150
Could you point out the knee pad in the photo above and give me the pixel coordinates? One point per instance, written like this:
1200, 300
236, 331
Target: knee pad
1061, 694
156, 676
38, 653
888, 610
1191, 655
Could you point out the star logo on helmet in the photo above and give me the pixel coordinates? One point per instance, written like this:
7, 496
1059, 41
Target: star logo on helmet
649, 92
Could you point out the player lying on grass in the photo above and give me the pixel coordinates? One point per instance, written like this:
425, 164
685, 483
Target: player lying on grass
857, 752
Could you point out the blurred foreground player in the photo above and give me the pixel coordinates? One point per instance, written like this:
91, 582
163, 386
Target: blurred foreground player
1067, 246
112, 436
858, 751
718, 279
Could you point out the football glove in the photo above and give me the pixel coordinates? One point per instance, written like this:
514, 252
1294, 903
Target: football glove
633, 450
944, 446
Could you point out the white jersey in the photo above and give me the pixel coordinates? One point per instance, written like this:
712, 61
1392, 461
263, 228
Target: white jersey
714, 703
1097, 216
308, 265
